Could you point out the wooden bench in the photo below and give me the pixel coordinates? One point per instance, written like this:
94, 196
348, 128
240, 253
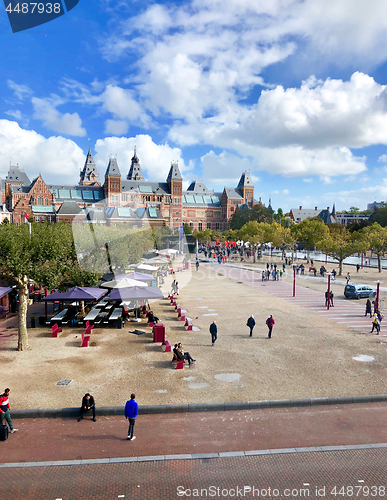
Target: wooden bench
178, 310
182, 317
188, 325
168, 346
174, 303
55, 330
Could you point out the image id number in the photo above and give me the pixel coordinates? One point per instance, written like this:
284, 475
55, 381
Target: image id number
356, 491
32, 7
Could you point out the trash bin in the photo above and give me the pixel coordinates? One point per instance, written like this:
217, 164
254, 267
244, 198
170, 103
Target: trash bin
42, 320
119, 323
33, 322
159, 333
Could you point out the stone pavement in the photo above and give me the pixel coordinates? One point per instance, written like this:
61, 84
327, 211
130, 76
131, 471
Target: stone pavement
57, 439
286, 452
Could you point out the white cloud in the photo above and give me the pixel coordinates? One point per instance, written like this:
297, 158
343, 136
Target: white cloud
63, 123
382, 159
116, 127
155, 159
120, 102
224, 169
285, 191
56, 158
20, 91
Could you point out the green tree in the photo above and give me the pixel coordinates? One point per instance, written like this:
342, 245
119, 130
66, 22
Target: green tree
47, 257
258, 213
339, 243
380, 216
257, 234
187, 229
309, 232
376, 239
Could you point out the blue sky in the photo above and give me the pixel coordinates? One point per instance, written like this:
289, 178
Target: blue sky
294, 91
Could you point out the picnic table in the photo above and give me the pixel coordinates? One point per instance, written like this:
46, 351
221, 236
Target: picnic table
92, 314
102, 304
117, 312
59, 317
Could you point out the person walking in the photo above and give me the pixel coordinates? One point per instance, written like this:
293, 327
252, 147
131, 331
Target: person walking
5, 410
251, 323
131, 412
214, 332
375, 323
368, 308
88, 403
326, 298
197, 264
270, 323
348, 278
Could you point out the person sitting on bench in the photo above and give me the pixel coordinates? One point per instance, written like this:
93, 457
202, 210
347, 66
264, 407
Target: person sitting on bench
181, 355
88, 403
152, 318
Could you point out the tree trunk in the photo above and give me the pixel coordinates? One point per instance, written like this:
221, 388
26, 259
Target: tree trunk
307, 255
379, 263
340, 266
22, 344
254, 250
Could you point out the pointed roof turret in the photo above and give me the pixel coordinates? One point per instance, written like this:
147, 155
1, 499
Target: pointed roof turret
89, 174
174, 173
245, 180
112, 168
135, 173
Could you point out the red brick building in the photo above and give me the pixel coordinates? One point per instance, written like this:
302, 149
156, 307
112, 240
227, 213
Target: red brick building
122, 199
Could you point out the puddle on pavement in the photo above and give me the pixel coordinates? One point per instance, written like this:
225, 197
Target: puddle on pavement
199, 298
201, 307
161, 391
189, 379
364, 357
211, 314
195, 329
197, 385
228, 377
212, 309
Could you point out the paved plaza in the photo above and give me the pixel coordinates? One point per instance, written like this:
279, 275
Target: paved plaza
313, 353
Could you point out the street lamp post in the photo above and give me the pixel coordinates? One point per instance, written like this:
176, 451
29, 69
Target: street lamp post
377, 294
294, 281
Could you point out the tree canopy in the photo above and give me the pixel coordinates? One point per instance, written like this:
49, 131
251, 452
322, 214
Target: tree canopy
47, 257
257, 213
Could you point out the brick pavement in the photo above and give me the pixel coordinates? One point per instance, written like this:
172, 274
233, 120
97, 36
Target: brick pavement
56, 439
300, 476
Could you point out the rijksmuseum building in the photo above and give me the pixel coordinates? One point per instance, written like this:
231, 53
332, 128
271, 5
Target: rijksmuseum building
127, 200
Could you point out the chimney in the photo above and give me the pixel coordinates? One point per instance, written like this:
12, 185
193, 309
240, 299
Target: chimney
300, 207
315, 208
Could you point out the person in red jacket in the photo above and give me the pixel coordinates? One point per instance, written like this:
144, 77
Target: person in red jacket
5, 410
270, 323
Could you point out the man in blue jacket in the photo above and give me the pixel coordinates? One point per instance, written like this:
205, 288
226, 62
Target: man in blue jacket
131, 412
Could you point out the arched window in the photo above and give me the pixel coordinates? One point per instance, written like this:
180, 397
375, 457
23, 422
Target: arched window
40, 200
46, 201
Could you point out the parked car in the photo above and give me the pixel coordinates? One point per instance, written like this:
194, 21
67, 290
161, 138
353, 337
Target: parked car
355, 291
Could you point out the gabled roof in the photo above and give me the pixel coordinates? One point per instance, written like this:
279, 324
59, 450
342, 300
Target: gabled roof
245, 180
112, 168
69, 208
135, 172
232, 193
17, 174
198, 187
327, 217
89, 169
158, 188
301, 214
174, 173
